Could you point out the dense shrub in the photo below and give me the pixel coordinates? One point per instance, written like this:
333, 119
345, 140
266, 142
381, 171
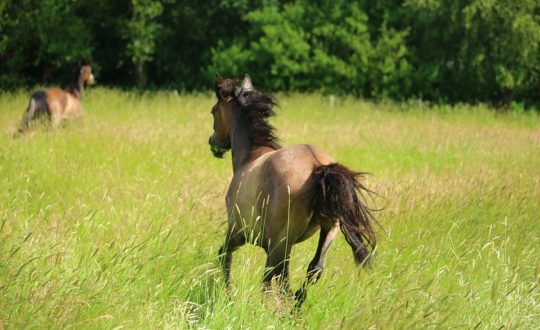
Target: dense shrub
439, 50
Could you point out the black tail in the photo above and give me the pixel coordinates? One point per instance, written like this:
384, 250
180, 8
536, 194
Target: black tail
337, 196
36, 107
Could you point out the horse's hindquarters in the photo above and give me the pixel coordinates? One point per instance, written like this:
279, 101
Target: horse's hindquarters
270, 199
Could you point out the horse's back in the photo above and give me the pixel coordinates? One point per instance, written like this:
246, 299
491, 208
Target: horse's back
292, 167
284, 170
63, 104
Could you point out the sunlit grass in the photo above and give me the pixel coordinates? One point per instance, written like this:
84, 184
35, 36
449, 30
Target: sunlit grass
117, 223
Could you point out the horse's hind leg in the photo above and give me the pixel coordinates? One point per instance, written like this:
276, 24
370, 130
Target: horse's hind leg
232, 242
277, 267
25, 122
315, 268
28, 116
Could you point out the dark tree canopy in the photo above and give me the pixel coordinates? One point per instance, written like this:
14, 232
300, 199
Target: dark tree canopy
438, 50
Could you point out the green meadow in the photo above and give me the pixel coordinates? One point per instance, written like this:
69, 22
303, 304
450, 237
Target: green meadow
116, 222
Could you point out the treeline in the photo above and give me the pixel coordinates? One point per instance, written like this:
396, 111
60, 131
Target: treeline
449, 50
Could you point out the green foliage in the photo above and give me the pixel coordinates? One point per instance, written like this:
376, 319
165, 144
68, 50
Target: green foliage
141, 31
62, 36
39, 40
509, 33
474, 50
437, 50
327, 47
3, 19
390, 71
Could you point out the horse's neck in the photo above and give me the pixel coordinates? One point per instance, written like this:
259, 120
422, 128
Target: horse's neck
80, 87
242, 148
76, 88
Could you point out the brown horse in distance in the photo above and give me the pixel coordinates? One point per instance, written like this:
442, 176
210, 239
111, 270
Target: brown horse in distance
278, 196
56, 104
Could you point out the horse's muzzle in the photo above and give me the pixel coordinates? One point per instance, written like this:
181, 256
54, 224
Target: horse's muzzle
217, 151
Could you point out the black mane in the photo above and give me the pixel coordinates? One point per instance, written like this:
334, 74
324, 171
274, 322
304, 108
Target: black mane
257, 109
75, 86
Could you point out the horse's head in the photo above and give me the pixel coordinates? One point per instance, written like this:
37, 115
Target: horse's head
86, 74
228, 95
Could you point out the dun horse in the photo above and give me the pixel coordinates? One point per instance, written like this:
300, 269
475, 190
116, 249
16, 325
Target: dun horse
56, 104
278, 196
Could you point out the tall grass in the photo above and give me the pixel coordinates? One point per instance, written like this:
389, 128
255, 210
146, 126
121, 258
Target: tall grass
117, 223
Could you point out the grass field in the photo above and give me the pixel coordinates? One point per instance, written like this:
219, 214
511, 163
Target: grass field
116, 223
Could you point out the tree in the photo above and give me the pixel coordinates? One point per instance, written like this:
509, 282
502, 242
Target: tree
39, 39
141, 31
325, 47
503, 42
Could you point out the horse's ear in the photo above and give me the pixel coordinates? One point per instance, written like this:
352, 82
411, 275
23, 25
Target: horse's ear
247, 84
218, 79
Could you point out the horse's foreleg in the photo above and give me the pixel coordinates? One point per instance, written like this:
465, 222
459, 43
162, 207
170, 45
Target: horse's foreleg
232, 243
315, 268
277, 267
56, 120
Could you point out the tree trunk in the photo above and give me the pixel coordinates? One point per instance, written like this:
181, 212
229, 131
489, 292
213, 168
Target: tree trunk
140, 73
506, 99
46, 73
